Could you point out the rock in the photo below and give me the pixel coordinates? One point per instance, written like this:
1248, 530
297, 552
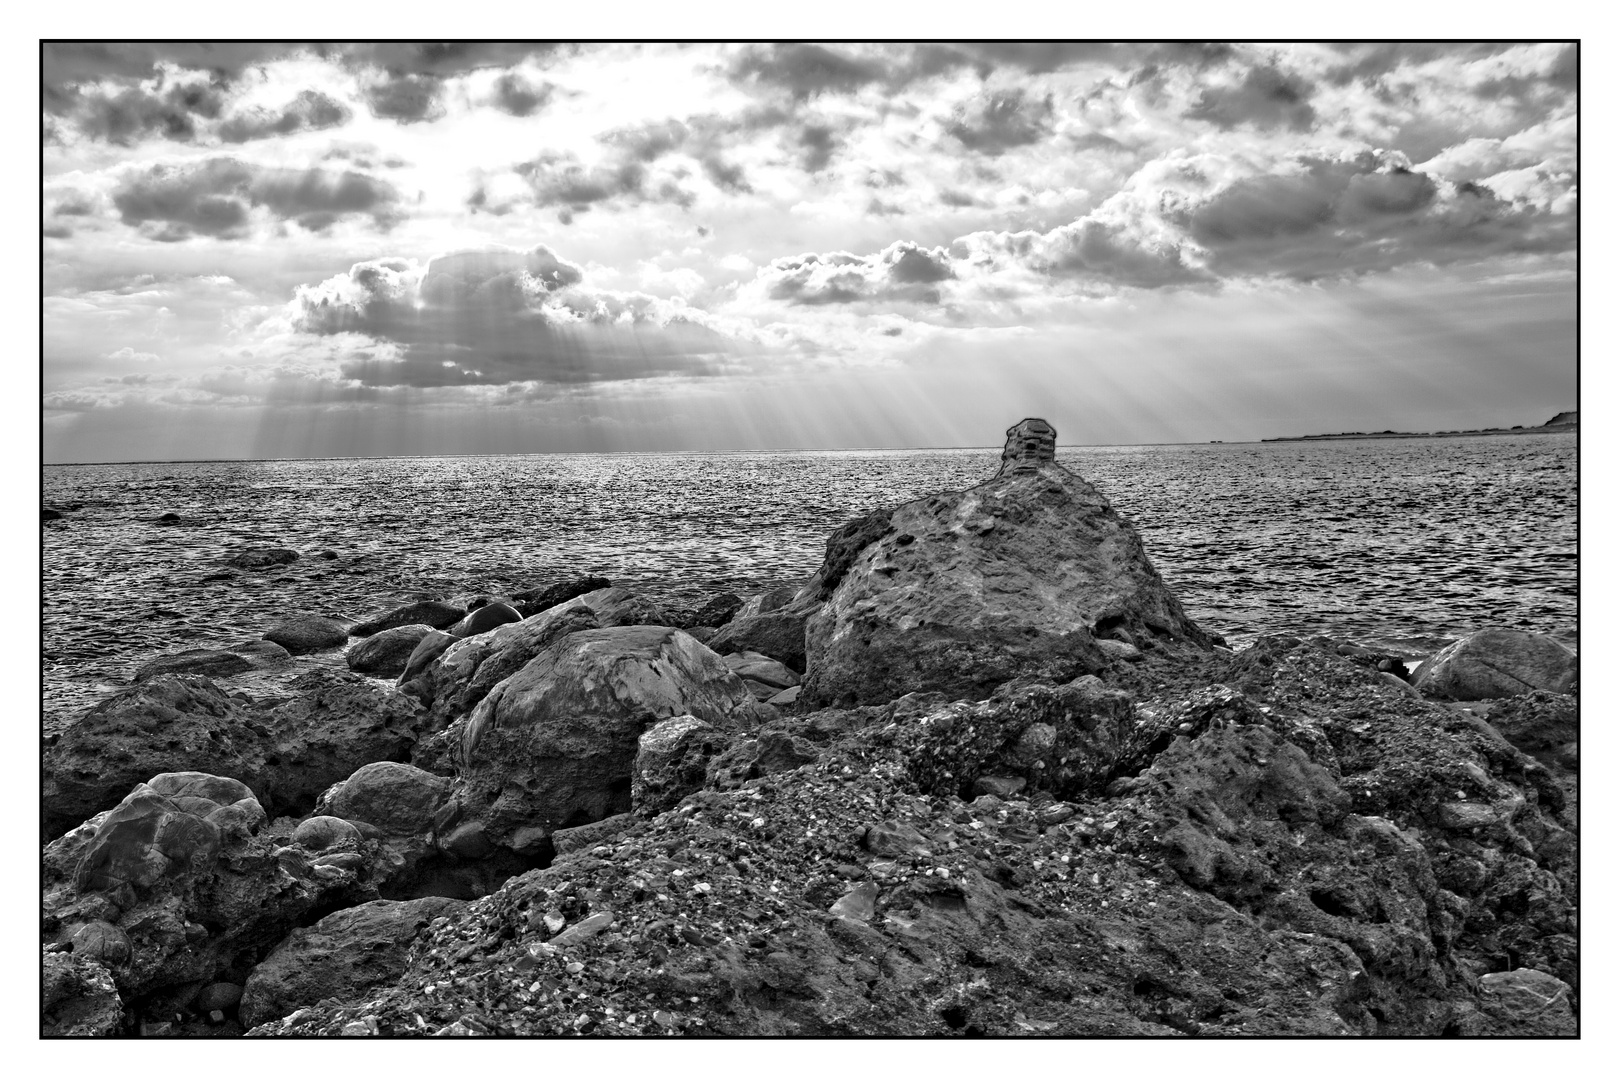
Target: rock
1527, 1002
1496, 663
963, 591
399, 799
165, 724
466, 671
429, 649
701, 634
435, 613
340, 957
762, 669
307, 633
671, 757
587, 928
261, 654
338, 722
716, 611
1003, 787
218, 996
1539, 723
48, 514
534, 601
101, 941
78, 997
485, 619
552, 746
1119, 650
785, 698
172, 826
859, 902
585, 837
750, 759
215, 663
170, 518
324, 832
260, 558
777, 632
386, 653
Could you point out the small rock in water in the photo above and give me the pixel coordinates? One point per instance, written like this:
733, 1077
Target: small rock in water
260, 558
307, 633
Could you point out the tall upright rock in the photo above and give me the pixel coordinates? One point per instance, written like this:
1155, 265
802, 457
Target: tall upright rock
962, 591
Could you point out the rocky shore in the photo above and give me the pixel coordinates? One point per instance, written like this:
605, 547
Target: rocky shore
980, 775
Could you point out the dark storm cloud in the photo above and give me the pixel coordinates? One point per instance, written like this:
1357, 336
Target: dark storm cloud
444, 59
1267, 98
498, 317
903, 271
130, 115
1109, 252
410, 99
517, 96
309, 111
214, 197
999, 122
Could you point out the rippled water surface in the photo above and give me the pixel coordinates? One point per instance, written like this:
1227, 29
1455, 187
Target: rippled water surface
1405, 542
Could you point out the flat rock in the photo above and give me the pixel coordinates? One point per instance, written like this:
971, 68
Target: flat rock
386, 653
435, 613
215, 663
308, 633
534, 601
762, 669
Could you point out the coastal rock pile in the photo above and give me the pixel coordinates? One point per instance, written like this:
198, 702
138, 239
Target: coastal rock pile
1020, 792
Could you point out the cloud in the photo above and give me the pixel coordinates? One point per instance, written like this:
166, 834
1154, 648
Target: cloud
444, 59
410, 99
497, 316
816, 146
66, 65
998, 122
805, 70
214, 197
1266, 98
309, 111
903, 271
517, 96
133, 114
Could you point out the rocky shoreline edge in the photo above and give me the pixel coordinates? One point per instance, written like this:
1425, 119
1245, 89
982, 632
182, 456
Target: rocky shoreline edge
980, 775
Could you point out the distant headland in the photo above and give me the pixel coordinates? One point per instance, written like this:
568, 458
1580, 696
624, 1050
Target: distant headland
1565, 421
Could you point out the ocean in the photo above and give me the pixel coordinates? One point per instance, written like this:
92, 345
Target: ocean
1405, 544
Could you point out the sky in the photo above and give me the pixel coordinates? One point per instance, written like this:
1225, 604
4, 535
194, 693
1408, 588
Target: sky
281, 250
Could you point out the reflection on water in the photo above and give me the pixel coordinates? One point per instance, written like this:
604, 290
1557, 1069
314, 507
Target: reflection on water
1406, 542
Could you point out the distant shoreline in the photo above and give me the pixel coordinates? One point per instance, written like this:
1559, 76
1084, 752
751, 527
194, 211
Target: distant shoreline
1546, 429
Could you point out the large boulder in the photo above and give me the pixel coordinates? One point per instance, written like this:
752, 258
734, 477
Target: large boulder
339, 957
386, 653
77, 997
552, 746
962, 591
484, 619
307, 633
534, 601
1497, 662
671, 757
168, 723
215, 663
467, 670
435, 613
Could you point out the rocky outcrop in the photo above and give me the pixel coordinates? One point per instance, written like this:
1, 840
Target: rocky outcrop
308, 633
343, 955
1497, 662
386, 653
435, 613
963, 591
552, 746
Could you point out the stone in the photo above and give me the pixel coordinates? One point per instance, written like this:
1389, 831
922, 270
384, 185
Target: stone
218, 996
261, 654
342, 956
717, 611
1003, 787
553, 745
534, 601
671, 757
466, 671
260, 558
762, 669
860, 902
386, 653
434, 613
1496, 663
750, 758
485, 619
78, 997
168, 827
961, 592
170, 518
1529, 1002
165, 724
428, 649
48, 514
399, 799
324, 832
584, 930
337, 722
307, 633
585, 837
215, 663
785, 697
1119, 650
769, 626
101, 941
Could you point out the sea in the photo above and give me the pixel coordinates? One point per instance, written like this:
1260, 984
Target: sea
1399, 543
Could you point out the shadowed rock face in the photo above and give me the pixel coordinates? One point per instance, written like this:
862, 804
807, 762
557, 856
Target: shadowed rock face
963, 591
